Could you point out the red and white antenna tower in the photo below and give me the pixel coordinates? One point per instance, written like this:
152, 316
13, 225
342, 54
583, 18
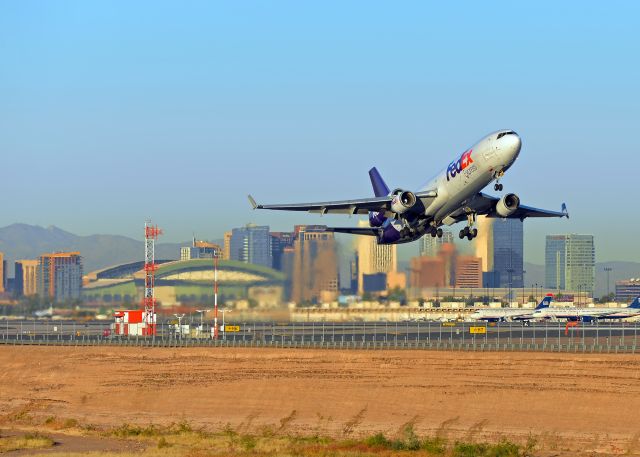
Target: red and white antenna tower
215, 294
151, 233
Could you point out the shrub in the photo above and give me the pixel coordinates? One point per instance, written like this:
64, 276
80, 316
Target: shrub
378, 440
435, 445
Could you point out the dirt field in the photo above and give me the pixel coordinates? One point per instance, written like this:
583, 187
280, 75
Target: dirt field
589, 403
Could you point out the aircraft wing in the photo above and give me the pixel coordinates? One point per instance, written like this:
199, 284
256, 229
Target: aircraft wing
483, 204
356, 206
371, 231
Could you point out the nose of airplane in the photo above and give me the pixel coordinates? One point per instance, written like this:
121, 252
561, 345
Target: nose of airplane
509, 146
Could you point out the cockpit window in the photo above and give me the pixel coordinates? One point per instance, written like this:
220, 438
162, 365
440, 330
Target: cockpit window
509, 132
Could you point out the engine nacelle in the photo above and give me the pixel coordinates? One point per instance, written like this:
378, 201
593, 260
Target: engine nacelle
403, 201
507, 205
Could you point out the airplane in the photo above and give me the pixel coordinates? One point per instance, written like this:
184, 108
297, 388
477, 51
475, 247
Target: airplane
453, 195
590, 314
503, 315
47, 312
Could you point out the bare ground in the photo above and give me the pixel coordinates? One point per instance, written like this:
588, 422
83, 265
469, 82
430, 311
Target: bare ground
572, 404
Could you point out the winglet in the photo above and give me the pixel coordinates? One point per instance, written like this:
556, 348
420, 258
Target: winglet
565, 211
254, 205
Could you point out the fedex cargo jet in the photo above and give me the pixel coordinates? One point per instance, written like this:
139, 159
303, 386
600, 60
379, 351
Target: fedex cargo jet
454, 195
503, 315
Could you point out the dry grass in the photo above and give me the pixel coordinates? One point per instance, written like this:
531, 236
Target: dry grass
28, 441
182, 440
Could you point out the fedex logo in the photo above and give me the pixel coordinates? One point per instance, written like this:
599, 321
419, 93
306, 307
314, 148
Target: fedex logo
456, 167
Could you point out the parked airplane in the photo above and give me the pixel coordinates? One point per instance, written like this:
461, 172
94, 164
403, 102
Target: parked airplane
590, 314
454, 195
48, 312
507, 314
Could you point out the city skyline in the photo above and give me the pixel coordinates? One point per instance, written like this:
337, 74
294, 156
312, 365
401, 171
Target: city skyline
119, 99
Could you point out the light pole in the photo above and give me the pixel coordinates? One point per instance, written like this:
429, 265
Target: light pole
510, 271
224, 328
179, 317
608, 270
201, 311
523, 273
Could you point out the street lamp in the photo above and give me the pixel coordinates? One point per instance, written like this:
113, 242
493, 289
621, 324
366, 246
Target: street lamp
179, 317
510, 271
224, 328
608, 270
202, 312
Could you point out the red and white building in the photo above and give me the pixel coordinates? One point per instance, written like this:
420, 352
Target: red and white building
132, 323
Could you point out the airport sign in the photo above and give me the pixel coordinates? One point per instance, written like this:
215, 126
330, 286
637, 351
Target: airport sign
478, 330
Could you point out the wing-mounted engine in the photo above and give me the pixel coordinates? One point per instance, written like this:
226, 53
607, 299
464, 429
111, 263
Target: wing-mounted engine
403, 201
507, 205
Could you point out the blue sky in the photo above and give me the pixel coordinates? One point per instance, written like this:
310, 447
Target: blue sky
112, 112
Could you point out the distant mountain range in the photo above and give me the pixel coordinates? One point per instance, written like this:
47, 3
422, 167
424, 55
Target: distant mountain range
22, 241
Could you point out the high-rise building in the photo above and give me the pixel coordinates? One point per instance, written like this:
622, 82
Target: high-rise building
627, 290
430, 246
373, 257
353, 270
199, 250
427, 272
3, 273
251, 244
570, 262
226, 253
448, 255
468, 271
279, 242
396, 280
60, 275
500, 245
26, 278
312, 265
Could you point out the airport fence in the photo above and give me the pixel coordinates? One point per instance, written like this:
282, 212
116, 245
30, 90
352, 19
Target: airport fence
457, 336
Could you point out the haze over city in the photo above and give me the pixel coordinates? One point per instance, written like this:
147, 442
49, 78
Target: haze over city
115, 112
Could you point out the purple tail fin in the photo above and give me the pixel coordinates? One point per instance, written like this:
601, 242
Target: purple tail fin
380, 188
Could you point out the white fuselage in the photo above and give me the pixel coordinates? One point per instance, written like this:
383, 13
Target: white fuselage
501, 314
471, 172
579, 313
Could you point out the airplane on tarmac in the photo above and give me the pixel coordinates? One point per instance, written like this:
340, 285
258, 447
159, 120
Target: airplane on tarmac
507, 314
590, 314
48, 312
452, 196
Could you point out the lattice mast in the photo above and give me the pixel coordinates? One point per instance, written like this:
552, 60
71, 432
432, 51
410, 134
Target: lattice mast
215, 294
151, 233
